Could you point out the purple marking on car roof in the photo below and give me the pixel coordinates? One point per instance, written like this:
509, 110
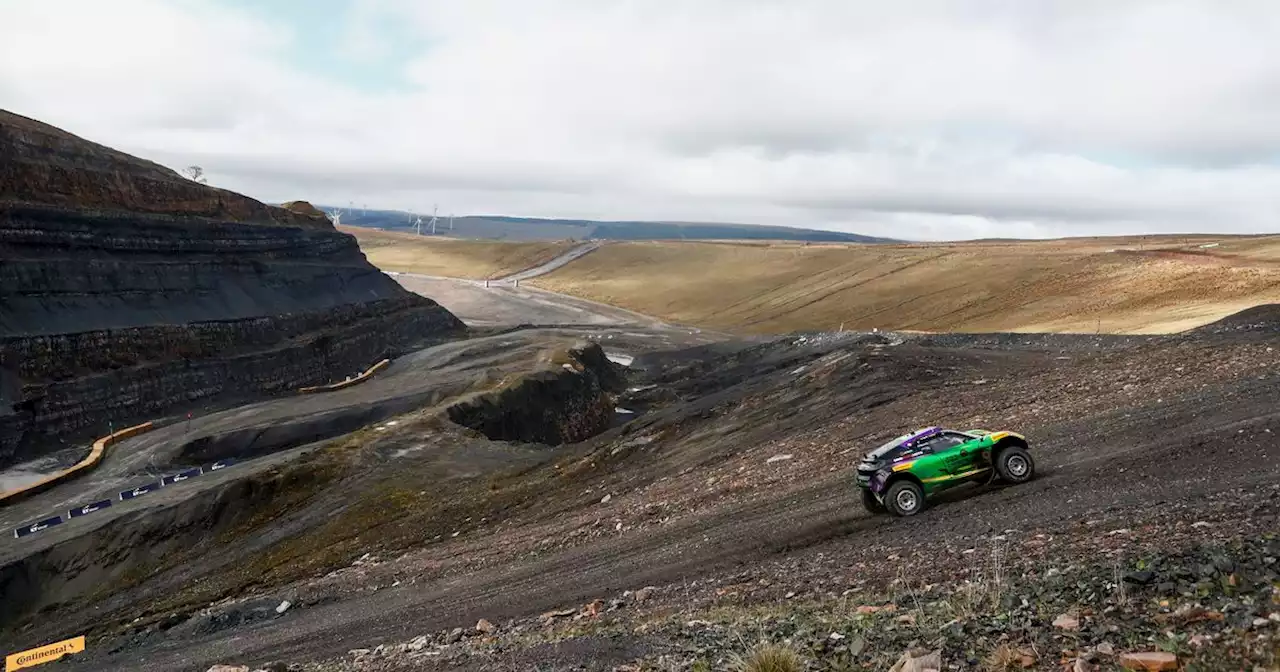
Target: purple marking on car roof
922, 434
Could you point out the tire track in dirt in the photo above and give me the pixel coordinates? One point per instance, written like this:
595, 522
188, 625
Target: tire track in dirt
782, 290
826, 292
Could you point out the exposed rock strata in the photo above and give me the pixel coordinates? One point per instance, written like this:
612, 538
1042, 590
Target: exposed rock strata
567, 404
128, 291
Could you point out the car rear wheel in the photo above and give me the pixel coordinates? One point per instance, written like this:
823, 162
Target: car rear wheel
870, 503
905, 498
1014, 464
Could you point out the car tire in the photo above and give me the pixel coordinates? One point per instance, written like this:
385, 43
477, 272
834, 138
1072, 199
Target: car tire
905, 498
1014, 465
870, 503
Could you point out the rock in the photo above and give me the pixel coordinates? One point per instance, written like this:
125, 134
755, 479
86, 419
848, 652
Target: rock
606, 499
359, 653
1106, 649
644, 594
454, 636
1082, 665
419, 643
1200, 524
835, 636
1141, 578
485, 627
1152, 661
1261, 622
274, 667
229, 668
593, 608
1067, 622
778, 458
284, 606
553, 615
918, 661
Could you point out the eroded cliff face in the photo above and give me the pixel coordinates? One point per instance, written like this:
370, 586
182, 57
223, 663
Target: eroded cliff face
128, 291
566, 404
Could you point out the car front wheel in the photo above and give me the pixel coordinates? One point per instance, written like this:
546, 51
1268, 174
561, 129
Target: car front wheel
1014, 464
905, 498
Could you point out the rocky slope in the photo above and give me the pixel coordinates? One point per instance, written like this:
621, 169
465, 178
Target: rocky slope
128, 292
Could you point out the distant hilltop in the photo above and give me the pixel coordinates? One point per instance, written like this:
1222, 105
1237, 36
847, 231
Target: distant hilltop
502, 227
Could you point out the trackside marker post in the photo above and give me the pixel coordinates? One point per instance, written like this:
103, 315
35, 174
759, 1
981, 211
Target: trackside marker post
44, 654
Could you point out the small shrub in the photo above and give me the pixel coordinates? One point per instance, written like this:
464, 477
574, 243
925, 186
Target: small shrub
1006, 658
766, 657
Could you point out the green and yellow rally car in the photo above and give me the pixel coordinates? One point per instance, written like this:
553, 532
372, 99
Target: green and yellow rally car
902, 474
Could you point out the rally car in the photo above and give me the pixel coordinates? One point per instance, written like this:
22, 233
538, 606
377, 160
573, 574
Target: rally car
903, 474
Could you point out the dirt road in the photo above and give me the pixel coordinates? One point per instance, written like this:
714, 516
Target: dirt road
543, 269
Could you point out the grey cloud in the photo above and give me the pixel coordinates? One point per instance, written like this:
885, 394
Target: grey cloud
959, 118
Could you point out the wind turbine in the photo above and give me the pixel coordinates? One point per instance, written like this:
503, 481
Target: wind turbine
335, 216
450, 222
417, 225
434, 219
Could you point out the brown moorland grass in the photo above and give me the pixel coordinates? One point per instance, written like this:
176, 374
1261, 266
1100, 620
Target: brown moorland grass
1113, 285
452, 257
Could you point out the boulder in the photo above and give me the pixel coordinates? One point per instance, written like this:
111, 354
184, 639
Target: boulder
919, 661
1149, 661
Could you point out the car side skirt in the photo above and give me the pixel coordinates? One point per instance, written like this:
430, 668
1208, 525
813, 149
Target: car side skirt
954, 477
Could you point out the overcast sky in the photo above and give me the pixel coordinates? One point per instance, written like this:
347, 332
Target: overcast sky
922, 119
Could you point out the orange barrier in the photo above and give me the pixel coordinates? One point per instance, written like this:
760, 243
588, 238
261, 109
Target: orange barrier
95, 456
347, 383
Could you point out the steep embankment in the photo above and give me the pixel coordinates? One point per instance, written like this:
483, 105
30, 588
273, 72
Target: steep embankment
1155, 285
127, 291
